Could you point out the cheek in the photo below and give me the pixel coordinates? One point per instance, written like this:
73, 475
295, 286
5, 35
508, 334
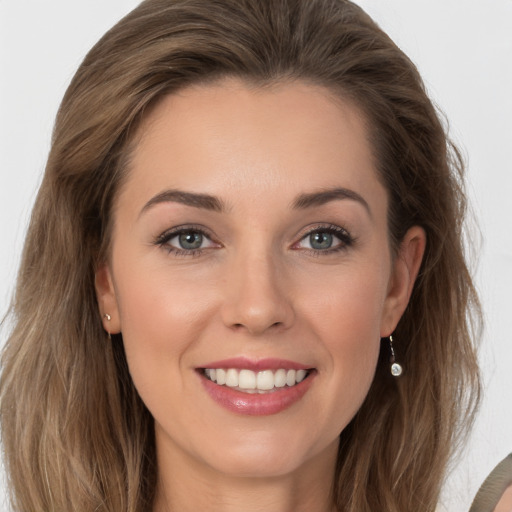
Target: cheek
162, 317
346, 317
349, 306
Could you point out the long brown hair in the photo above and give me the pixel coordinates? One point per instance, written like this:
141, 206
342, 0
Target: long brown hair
76, 434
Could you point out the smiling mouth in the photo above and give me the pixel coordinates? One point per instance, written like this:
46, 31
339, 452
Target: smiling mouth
262, 382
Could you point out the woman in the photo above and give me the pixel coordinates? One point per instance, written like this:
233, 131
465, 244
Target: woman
241, 201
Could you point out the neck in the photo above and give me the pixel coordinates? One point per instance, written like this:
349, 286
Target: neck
194, 487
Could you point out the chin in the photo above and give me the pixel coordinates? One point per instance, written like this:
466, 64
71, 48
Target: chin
266, 456
259, 466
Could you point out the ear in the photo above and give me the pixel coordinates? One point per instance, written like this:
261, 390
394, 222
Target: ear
107, 299
404, 272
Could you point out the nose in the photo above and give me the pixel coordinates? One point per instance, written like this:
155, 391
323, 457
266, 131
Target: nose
256, 296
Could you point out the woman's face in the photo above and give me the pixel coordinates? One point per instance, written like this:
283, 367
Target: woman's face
250, 244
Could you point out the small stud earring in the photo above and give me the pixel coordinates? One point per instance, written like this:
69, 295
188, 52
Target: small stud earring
108, 318
396, 368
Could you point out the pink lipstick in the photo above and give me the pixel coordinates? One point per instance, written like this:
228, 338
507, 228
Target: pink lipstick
263, 387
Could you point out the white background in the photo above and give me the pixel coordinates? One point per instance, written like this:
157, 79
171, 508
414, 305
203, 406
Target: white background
463, 49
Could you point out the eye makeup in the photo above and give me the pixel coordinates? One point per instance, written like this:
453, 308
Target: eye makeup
193, 240
186, 241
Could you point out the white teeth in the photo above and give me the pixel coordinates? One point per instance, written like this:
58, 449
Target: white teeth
300, 375
265, 380
246, 379
280, 378
249, 381
232, 378
220, 376
290, 377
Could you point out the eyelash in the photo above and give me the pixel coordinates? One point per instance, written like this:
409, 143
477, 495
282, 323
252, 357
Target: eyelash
163, 240
346, 240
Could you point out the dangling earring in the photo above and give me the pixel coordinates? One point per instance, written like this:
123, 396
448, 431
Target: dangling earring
396, 368
108, 317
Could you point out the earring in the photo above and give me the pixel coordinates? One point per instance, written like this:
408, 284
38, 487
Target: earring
108, 317
396, 368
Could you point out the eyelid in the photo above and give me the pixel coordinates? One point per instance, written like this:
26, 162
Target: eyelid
342, 234
182, 228
163, 239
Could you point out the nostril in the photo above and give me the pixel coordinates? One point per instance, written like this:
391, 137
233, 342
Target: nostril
257, 329
256, 316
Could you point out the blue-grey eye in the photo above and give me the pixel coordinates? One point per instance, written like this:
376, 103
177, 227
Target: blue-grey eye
325, 240
190, 240
321, 240
185, 241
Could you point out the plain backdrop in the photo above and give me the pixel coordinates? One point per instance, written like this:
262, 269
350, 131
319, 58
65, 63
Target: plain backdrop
463, 49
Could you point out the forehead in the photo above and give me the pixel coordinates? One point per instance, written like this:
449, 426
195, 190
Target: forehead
230, 138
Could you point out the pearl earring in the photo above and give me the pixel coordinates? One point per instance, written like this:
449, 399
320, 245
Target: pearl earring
396, 368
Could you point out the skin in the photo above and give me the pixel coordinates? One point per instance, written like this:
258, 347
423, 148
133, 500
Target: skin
505, 503
256, 289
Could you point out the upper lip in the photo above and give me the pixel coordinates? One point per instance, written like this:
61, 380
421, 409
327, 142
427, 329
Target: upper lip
243, 363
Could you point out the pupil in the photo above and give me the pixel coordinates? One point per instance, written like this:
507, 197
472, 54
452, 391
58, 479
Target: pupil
191, 240
321, 240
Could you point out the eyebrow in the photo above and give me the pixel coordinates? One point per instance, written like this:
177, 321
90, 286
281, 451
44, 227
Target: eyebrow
213, 203
204, 201
321, 197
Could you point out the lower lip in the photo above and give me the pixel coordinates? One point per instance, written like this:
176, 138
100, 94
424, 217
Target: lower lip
256, 404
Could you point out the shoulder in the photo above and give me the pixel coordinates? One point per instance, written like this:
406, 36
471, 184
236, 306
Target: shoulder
496, 491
